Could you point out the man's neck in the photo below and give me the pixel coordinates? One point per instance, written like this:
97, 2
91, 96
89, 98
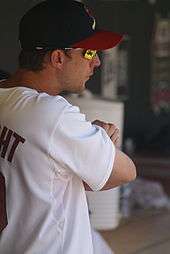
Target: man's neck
40, 81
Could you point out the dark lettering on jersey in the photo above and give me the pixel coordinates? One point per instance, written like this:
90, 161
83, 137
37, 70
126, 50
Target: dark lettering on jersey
3, 213
9, 141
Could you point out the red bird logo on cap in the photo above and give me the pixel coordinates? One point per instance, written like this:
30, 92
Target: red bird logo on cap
90, 14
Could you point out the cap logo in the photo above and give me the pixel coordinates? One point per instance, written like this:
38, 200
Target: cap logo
90, 15
94, 23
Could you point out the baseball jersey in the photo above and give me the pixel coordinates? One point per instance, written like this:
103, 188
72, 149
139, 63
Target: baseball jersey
47, 150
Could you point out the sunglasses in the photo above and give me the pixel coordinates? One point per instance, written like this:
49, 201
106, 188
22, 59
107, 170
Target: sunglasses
88, 54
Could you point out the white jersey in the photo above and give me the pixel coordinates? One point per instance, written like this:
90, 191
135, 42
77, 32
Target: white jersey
47, 150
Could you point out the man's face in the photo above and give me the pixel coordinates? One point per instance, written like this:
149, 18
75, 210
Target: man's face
77, 70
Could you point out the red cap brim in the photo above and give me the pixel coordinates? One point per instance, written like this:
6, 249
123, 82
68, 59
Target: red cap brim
100, 40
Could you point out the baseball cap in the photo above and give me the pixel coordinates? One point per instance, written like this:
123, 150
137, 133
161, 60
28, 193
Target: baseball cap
61, 24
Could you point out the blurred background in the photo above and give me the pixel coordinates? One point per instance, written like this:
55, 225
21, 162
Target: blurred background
134, 80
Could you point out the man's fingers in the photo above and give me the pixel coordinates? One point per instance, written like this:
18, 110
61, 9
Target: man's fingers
115, 135
111, 129
102, 124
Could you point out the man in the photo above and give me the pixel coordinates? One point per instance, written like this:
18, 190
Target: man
49, 153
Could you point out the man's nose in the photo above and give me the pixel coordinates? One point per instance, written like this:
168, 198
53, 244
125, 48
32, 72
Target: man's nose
96, 61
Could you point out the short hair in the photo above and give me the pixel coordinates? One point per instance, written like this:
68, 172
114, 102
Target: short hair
33, 60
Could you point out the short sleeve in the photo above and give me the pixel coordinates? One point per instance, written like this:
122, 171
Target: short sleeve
82, 148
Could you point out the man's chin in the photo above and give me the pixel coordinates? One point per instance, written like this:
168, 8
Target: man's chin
79, 90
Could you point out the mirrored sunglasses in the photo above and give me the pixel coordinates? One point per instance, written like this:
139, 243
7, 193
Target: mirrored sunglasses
88, 54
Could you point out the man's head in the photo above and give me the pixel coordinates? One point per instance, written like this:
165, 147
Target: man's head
59, 31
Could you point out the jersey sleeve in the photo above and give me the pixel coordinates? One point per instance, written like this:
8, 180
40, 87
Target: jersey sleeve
81, 148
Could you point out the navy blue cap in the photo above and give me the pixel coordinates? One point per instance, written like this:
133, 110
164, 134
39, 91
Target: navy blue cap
65, 24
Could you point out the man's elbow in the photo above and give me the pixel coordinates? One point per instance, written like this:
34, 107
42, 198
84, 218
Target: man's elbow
131, 176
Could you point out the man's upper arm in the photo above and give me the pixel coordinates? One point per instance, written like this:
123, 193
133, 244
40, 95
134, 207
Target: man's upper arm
82, 149
123, 171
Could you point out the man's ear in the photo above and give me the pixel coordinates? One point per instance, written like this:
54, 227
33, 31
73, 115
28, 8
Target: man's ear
57, 58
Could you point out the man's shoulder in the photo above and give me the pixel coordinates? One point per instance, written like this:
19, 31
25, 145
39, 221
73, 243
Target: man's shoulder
41, 102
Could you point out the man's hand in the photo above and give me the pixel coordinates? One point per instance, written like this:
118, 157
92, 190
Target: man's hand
111, 130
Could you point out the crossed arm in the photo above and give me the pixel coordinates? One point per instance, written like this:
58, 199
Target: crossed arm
123, 170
